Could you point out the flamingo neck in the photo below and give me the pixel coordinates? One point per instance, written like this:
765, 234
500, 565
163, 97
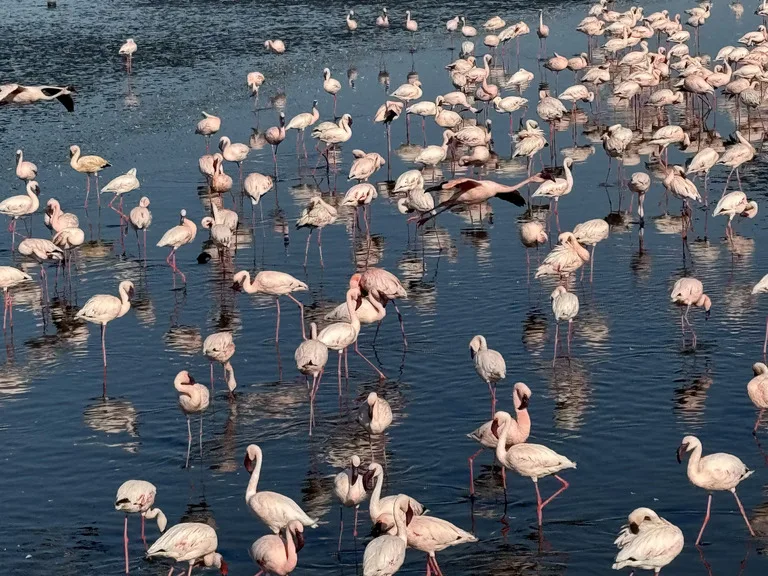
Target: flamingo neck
250, 491
125, 303
231, 382
400, 524
373, 506
694, 461
501, 445
75, 160
351, 308
523, 422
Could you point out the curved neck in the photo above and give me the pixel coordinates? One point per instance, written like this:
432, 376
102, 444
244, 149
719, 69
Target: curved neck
75, 159
373, 506
231, 382
125, 303
184, 388
20, 159
352, 309
694, 460
501, 445
400, 523
523, 421
250, 492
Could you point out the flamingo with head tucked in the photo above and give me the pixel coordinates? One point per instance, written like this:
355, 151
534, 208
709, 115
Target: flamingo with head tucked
192, 542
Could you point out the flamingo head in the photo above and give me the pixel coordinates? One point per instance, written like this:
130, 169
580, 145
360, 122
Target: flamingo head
238, 280
182, 216
476, 344
252, 453
688, 444
73, 150
640, 515
354, 281
369, 478
521, 396
500, 419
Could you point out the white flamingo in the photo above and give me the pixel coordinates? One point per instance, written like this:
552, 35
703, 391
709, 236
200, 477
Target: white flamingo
192, 542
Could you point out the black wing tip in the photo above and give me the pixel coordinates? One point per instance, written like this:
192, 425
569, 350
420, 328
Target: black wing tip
67, 101
512, 197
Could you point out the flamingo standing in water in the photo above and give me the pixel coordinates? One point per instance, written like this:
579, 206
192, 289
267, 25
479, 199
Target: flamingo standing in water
193, 399
349, 489
137, 497
177, 237
760, 288
384, 286
128, 49
385, 555
207, 127
10, 277
192, 542
220, 347
121, 185
56, 219
380, 509
275, 510
647, 541
331, 86
274, 136
317, 215
757, 389
340, 335
519, 432
591, 233
311, 357
88, 165
234, 152
278, 554
735, 204
690, 292
42, 251
565, 306
564, 259
103, 308
542, 32
275, 284
375, 416
140, 218
20, 206
25, 170
489, 365
531, 460
718, 471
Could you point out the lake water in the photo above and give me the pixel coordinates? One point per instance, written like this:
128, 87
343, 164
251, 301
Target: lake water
619, 408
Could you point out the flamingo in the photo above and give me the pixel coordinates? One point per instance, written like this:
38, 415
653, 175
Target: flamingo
384, 555
274, 136
564, 259
760, 288
311, 357
382, 20
103, 308
278, 554
331, 86
565, 306
43, 251
275, 46
17, 94
220, 347
532, 234
255, 186
380, 508
351, 24
349, 489
25, 170
757, 389
590, 233
254, 80
557, 188
177, 237
137, 497
690, 292
340, 335
520, 429
384, 286
736, 155
220, 181
530, 460
364, 165
735, 204
128, 49
88, 165
274, 510
140, 218
275, 284
10, 277
316, 215
121, 185
718, 471
647, 541
410, 24
207, 127
301, 122
542, 32
21, 206
192, 542
489, 365
639, 184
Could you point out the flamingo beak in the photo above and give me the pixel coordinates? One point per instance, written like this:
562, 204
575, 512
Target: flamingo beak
299, 536
377, 530
236, 286
472, 353
355, 475
680, 452
495, 428
368, 480
634, 528
224, 568
706, 314
524, 400
408, 515
248, 463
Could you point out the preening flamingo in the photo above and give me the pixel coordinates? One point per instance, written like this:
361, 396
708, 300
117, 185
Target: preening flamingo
137, 497
565, 306
140, 218
647, 541
690, 292
489, 365
193, 399
757, 389
316, 215
278, 553
384, 555
192, 542
349, 489
220, 347
760, 288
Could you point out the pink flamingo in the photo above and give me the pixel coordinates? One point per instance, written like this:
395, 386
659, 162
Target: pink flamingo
192, 542
193, 399
177, 237
690, 292
384, 286
757, 389
279, 554
103, 308
519, 432
137, 497
349, 489
489, 365
275, 284
220, 347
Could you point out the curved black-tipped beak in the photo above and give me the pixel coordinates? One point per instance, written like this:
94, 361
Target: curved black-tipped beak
472, 353
368, 480
680, 452
377, 530
524, 401
299, 540
706, 315
355, 475
237, 287
248, 463
634, 528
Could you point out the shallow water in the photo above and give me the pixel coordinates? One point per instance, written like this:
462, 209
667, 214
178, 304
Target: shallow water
619, 407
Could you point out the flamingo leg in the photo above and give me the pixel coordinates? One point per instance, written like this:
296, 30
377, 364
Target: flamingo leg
743, 514
570, 326
557, 335
472, 471
492, 390
757, 422
341, 525
143, 537
103, 344
354, 531
592, 261
320, 246
189, 440
125, 542
306, 250
379, 372
340, 351
765, 342
706, 519
277, 327
402, 327
301, 309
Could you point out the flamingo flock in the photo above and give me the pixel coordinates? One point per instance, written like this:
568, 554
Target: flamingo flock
662, 103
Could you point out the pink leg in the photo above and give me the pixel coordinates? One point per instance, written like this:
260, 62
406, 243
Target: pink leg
5, 307
765, 342
306, 250
10, 308
341, 525
340, 351
211, 375
592, 262
277, 328
301, 310
379, 372
436, 566
125, 542
402, 327
354, 532
706, 519
743, 514
472, 471
189, 572
103, 344
557, 335
492, 390
189, 440
757, 422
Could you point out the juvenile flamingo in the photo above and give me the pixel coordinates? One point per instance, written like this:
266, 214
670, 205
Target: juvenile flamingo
193, 399
718, 471
275, 284
103, 308
192, 542
137, 497
518, 433
88, 165
489, 365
